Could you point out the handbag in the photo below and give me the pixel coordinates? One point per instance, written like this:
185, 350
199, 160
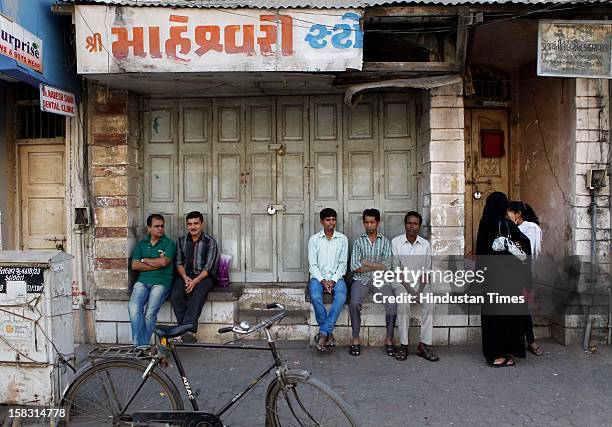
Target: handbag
505, 243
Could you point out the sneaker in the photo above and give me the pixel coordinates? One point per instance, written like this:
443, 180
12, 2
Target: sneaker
189, 337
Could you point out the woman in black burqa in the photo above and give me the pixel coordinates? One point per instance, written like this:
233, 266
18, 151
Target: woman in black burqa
502, 323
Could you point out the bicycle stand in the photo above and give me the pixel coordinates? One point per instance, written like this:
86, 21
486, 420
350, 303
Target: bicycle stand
183, 418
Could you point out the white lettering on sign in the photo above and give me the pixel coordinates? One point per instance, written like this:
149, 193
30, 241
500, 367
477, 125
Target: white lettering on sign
20, 44
56, 101
118, 39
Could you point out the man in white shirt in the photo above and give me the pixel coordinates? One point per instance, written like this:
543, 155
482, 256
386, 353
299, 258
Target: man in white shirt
413, 252
327, 259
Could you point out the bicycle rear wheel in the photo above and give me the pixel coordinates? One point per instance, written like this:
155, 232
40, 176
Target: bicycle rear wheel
99, 393
306, 402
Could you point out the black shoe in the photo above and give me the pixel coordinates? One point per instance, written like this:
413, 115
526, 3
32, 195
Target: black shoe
189, 337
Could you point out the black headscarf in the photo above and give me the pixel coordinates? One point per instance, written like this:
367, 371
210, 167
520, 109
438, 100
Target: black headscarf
493, 220
495, 206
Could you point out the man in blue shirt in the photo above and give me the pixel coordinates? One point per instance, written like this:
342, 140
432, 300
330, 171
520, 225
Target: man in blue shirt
327, 259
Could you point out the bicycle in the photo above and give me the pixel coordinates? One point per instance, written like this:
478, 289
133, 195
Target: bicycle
113, 392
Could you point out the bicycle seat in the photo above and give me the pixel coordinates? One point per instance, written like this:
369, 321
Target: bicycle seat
169, 331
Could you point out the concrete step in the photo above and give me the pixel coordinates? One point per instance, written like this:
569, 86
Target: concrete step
253, 316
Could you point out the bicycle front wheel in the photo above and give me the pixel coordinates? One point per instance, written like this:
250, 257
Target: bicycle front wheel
306, 401
100, 394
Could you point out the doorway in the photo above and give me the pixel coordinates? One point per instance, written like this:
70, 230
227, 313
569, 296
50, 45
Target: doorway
486, 164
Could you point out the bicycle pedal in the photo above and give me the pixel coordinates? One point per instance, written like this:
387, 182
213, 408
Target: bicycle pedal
197, 393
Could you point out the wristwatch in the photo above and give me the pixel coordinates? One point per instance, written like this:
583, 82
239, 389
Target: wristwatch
142, 260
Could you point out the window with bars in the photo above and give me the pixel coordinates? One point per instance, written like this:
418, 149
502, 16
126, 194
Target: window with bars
32, 123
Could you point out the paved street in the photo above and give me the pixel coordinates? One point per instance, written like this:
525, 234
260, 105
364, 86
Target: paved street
566, 387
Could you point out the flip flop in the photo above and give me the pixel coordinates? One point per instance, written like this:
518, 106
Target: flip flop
507, 362
536, 351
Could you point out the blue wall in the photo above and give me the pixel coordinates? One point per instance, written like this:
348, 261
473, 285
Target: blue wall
59, 62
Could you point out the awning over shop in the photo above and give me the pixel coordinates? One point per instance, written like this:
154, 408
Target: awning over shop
11, 70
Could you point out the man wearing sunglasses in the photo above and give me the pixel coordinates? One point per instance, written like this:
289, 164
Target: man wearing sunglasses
152, 258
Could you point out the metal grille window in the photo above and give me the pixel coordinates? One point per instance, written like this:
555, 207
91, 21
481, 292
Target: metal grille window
30, 121
488, 86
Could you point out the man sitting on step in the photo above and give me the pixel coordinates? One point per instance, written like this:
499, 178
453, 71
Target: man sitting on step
196, 263
327, 259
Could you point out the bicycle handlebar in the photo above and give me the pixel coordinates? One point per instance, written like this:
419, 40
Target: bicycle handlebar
238, 329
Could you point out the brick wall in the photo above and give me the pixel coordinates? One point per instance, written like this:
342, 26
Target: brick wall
113, 116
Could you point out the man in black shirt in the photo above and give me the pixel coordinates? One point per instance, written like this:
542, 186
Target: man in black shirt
196, 263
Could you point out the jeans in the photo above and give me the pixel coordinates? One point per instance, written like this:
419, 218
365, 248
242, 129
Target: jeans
145, 302
327, 321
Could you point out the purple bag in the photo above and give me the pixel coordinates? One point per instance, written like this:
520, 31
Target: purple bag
223, 268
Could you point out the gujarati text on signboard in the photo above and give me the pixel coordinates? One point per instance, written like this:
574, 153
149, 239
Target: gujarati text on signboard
575, 48
117, 39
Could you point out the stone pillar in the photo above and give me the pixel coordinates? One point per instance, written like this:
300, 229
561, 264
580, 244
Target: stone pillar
592, 147
592, 152
441, 136
114, 184
442, 148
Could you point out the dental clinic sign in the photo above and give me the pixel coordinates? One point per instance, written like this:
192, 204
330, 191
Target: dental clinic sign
116, 39
56, 101
575, 48
20, 44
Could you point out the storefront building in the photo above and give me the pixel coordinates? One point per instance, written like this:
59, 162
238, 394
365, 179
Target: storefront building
259, 118
41, 173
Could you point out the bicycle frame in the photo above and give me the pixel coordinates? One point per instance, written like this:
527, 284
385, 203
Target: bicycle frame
272, 347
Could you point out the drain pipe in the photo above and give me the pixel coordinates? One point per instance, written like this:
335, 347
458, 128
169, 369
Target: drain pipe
593, 271
610, 259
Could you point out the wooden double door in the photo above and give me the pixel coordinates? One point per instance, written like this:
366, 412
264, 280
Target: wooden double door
261, 169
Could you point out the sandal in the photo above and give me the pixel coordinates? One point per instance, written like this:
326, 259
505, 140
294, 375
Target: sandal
508, 361
535, 350
390, 349
321, 347
331, 341
355, 350
427, 353
401, 353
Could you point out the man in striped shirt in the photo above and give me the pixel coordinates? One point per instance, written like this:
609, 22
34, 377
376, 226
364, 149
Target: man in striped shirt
371, 252
196, 263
